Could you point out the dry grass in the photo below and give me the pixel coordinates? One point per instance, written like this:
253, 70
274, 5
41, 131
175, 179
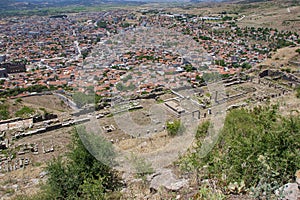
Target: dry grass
50, 102
280, 14
273, 15
280, 59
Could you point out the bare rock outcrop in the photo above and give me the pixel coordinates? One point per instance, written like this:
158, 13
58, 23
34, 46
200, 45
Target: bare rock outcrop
165, 178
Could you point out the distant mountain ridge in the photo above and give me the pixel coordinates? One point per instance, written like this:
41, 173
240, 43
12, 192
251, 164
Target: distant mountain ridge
103, 1
94, 1
34, 4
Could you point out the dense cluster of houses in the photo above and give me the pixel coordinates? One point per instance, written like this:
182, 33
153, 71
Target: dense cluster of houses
55, 49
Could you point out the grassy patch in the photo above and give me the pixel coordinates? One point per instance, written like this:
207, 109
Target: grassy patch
298, 92
4, 113
25, 112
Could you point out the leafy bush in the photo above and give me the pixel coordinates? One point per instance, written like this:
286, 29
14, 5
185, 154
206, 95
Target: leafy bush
82, 176
174, 127
257, 147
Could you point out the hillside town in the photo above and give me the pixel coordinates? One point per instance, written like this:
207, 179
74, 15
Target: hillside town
98, 66
53, 50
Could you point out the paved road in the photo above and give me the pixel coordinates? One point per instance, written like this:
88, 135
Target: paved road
68, 101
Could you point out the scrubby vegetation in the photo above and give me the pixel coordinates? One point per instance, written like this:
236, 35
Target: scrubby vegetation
4, 113
298, 92
25, 111
257, 151
80, 175
82, 99
17, 90
174, 127
141, 166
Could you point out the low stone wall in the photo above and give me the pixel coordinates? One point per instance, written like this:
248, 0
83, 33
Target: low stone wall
285, 76
16, 124
50, 128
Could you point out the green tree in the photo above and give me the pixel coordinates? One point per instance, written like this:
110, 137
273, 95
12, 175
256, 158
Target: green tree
246, 65
102, 24
125, 25
220, 62
188, 68
227, 18
85, 54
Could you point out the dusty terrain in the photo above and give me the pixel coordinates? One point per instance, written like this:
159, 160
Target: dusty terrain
279, 14
51, 102
282, 57
28, 179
